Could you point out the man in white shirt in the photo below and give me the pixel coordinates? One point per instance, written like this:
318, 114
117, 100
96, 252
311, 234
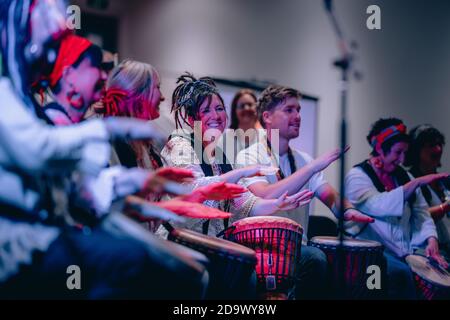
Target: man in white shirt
279, 110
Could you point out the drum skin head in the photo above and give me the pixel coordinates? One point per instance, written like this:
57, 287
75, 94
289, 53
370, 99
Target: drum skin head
421, 266
214, 244
267, 222
334, 241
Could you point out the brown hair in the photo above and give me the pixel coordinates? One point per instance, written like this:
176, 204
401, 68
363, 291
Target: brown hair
234, 120
272, 96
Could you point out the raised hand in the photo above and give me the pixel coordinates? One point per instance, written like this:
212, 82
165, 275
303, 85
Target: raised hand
175, 174
122, 128
430, 178
327, 158
257, 170
357, 216
302, 197
285, 202
215, 191
148, 211
192, 209
166, 180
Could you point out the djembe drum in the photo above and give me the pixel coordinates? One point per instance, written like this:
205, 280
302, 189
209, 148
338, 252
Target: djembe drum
357, 256
277, 243
432, 281
230, 265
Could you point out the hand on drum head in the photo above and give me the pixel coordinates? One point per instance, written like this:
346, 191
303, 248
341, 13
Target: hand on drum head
352, 214
432, 251
216, 191
192, 209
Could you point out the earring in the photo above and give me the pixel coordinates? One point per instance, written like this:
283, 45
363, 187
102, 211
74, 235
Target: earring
75, 99
378, 163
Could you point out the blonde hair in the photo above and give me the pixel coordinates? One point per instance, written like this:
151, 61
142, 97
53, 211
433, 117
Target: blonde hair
128, 89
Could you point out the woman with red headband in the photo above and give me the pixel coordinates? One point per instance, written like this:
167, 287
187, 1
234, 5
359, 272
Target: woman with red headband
381, 188
76, 80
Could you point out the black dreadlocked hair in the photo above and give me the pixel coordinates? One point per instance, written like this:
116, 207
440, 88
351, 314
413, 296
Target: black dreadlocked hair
189, 96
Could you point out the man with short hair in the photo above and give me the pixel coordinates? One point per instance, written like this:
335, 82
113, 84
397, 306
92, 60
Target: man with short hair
279, 110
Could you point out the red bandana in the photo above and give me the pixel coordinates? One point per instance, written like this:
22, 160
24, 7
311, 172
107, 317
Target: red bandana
72, 47
386, 134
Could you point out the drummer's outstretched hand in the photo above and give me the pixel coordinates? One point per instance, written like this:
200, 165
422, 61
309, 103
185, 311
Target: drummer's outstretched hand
286, 202
432, 251
175, 174
323, 161
215, 191
429, 178
166, 180
357, 216
303, 197
122, 128
192, 209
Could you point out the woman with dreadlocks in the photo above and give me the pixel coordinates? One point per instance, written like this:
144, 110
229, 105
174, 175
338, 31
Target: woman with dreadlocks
424, 157
198, 104
133, 90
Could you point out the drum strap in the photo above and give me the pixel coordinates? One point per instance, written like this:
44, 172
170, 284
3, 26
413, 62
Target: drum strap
280, 174
400, 175
207, 169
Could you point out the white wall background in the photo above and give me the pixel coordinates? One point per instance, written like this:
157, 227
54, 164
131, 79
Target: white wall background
406, 65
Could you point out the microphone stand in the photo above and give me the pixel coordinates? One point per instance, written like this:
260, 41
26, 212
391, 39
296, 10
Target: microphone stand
344, 64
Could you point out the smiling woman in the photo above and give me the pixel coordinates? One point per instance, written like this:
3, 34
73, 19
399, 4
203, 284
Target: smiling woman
381, 188
197, 102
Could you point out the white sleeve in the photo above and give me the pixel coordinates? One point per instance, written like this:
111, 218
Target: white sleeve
249, 157
361, 192
423, 226
31, 146
14, 192
112, 184
179, 153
